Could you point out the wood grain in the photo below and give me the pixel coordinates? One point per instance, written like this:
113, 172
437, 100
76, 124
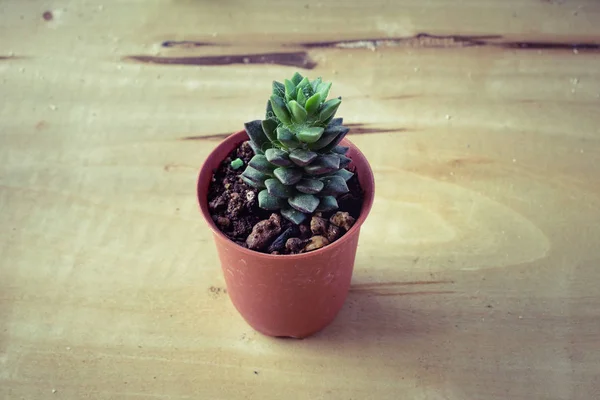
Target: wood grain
477, 273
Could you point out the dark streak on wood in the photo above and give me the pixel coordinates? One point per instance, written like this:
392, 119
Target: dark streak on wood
207, 137
4, 58
186, 44
360, 129
400, 97
296, 59
551, 46
424, 40
356, 129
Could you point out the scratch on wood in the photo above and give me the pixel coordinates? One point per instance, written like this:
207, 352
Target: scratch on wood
185, 44
207, 137
421, 40
425, 40
355, 129
296, 59
361, 129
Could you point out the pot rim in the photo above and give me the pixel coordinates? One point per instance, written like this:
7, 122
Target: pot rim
206, 174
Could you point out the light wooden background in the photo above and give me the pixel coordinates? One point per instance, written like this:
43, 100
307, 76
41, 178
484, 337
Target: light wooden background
478, 271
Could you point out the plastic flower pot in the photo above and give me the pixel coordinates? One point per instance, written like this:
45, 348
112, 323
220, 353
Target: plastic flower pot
287, 295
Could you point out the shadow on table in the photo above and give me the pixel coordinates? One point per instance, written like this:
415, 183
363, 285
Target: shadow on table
400, 329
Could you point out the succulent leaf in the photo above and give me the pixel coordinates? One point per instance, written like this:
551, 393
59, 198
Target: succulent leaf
298, 112
280, 109
327, 203
310, 135
303, 84
313, 103
266, 201
306, 203
278, 89
254, 177
336, 122
344, 173
335, 142
269, 114
329, 108
301, 98
278, 189
261, 164
269, 126
329, 135
255, 132
302, 157
255, 147
340, 149
310, 186
344, 161
290, 90
297, 78
287, 138
323, 89
323, 165
278, 157
315, 84
294, 216
288, 176
334, 186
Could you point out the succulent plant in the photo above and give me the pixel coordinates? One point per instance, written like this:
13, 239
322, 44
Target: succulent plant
299, 165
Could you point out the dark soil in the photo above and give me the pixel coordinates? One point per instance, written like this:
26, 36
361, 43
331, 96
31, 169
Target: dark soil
234, 206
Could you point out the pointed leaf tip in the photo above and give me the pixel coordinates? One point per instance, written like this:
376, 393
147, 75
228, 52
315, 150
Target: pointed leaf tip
280, 109
278, 157
298, 112
288, 176
293, 215
306, 203
267, 201
310, 135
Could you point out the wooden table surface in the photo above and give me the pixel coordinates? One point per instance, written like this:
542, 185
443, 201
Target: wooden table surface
478, 271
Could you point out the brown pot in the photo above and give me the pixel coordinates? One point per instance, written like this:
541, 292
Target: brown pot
287, 295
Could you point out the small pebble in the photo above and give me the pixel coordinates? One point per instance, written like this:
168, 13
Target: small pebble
333, 233
223, 222
342, 219
294, 245
53, 390
264, 232
448, 116
316, 242
318, 225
